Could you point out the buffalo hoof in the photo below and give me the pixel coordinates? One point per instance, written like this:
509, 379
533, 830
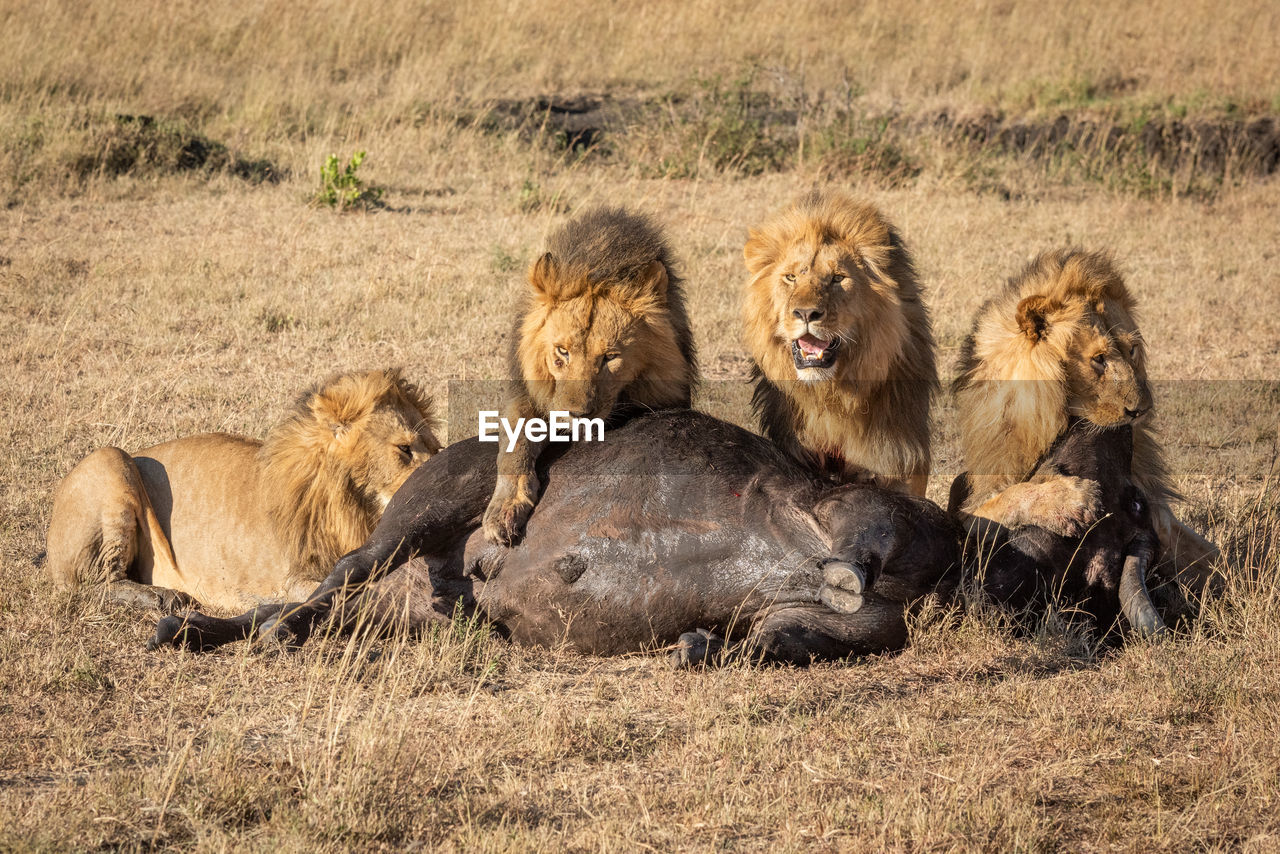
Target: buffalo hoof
167, 633
284, 633
844, 586
695, 649
179, 633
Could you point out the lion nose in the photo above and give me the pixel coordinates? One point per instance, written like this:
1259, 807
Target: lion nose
808, 315
1135, 414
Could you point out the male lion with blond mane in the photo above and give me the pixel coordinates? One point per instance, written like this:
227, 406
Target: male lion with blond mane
1058, 345
231, 521
843, 350
604, 334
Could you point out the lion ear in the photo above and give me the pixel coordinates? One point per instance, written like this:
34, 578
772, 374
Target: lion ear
337, 408
758, 252
655, 278
542, 276
1033, 316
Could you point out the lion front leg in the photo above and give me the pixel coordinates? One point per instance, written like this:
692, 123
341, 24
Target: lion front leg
510, 508
1066, 506
517, 487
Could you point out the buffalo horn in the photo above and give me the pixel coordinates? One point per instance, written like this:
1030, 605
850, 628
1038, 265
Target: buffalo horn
1135, 601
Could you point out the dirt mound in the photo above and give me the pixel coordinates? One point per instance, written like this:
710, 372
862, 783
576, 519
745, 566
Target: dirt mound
752, 132
128, 144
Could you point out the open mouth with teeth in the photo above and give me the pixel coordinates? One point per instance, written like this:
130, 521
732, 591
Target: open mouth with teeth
810, 352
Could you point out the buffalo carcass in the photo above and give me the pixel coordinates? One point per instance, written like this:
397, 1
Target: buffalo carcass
672, 523
1103, 572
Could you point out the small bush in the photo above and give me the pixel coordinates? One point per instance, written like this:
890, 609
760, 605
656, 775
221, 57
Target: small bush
342, 189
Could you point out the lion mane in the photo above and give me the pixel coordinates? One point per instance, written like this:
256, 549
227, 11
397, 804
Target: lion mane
327, 467
604, 333
230, 521
1060, 343
842, 346
1016, 390
606, 275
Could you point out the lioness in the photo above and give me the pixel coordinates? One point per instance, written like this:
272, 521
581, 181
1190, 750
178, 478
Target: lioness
232, 521
841, 341
604, 331
1060, 341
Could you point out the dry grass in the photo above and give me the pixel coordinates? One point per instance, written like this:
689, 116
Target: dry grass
156, 304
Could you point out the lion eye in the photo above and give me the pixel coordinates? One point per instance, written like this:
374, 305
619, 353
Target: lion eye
789, 278
1100, 363
406, 451
562, 352
610, 357
837, 279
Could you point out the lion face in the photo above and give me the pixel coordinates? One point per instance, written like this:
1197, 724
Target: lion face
821, 293
1060, 341
841, 340
380, 430
584, 342
1102, 359
816, 293
590, 352
385, 448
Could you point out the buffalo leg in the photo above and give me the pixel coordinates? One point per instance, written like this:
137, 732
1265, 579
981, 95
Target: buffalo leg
293, 624
200, 633
800, 634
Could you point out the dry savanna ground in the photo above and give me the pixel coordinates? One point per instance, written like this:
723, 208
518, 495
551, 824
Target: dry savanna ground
167, 275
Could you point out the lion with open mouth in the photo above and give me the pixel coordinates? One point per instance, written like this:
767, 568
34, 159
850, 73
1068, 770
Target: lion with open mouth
841, 340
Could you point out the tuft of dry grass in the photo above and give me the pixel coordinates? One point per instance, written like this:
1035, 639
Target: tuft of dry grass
142, 303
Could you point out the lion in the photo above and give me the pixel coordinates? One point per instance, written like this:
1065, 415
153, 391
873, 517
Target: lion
1061, 342
227, 521
841, 342
604, 333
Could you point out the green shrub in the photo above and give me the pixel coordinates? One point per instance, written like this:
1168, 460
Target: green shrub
341, 188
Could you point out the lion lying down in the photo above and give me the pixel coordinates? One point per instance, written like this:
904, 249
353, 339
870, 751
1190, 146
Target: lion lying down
229, 521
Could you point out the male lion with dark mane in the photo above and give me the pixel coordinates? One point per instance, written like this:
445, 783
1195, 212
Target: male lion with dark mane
841, 341
604, 334
231, 521
1060, 343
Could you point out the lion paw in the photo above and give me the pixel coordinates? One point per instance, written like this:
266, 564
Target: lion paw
142, 597
172, 601
504, 521
1067, 506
